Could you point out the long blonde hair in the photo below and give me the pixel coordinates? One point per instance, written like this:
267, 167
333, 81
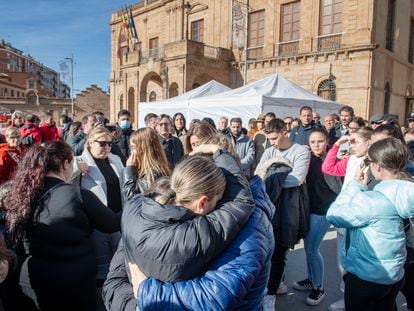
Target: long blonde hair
192, 178
151, 159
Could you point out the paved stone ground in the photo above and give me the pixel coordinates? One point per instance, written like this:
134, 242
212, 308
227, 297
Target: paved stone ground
296, 271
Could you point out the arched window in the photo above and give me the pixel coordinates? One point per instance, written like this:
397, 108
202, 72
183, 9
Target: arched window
121, 101
173, 91
387, 96
152, 96
327, 90
31, 98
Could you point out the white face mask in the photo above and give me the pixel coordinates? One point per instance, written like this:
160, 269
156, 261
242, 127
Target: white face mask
124, 124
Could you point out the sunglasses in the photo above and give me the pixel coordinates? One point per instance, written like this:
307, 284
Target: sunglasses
377, 123
104, 143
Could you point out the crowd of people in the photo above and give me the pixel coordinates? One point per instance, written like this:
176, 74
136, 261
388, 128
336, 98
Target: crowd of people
99, 216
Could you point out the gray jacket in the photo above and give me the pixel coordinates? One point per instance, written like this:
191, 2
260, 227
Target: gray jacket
244, 147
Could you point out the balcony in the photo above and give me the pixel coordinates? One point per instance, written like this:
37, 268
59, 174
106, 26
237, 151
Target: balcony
195, 50
327, 42
152, 54
175, 50
288, 48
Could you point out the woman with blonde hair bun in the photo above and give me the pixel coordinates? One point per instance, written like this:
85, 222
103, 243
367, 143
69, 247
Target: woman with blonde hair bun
100, 171
166, 235
146, 163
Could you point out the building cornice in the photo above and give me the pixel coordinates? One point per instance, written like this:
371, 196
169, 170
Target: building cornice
307, 55
140, 9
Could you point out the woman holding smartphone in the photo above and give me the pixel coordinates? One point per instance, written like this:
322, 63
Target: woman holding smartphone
373, 252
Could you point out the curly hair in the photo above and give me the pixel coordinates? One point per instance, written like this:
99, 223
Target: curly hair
27, 183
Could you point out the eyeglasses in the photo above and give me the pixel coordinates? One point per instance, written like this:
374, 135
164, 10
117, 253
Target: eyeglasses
288, 123
104, 143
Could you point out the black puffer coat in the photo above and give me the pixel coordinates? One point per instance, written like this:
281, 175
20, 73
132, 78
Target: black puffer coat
171, 243
291, 220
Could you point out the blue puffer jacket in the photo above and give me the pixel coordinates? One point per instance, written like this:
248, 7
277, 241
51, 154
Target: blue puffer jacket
237, 279
374, 245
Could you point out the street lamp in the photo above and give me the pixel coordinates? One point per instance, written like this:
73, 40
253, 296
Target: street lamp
187, 7
71, 89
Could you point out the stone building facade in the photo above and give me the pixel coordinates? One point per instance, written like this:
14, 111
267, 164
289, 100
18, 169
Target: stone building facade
88, 101
356, 52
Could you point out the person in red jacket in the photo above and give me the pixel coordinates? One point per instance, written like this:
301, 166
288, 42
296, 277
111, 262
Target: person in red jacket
48, 128
11, 153
17, 120
30, 131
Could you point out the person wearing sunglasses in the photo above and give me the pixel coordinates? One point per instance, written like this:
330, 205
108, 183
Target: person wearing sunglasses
100, 171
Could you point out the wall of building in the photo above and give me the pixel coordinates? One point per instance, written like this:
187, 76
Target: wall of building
392, 67
360, 65
90, 100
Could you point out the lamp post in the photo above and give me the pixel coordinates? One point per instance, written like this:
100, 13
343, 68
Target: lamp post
187, 7
71, 90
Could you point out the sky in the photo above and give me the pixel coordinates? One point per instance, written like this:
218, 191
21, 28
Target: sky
51, 30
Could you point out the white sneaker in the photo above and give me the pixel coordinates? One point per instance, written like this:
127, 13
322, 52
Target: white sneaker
283, 289
269, 303
337, 305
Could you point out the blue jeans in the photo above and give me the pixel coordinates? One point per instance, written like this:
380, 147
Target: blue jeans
318, 227
106, 245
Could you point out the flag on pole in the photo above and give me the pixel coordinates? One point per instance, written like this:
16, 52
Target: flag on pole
125, 25
119, 52
132, 25
64, 69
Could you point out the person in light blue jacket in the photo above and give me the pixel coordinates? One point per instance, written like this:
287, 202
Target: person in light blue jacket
374, 248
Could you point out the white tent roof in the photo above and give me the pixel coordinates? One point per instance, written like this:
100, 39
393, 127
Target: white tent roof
210, 88
274, 93
180, 103
271, 94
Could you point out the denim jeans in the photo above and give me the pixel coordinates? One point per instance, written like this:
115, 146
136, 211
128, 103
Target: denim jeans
318, 227
106, 245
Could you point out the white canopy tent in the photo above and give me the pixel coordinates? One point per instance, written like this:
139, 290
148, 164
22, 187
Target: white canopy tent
179, 103
272, 94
